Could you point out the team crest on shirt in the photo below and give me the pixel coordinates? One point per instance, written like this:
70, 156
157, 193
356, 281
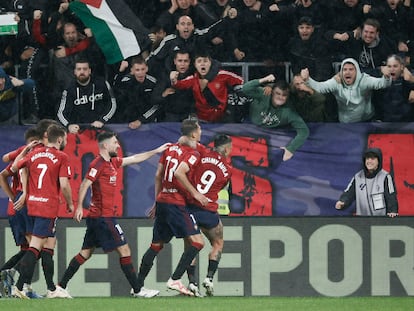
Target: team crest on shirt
192, 160
112, 179
93, 172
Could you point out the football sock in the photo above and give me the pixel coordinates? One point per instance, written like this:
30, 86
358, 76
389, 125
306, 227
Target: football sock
48, 267
186, 260
74, 265
146, 264
129, 271
191, 274
212, 268
27, 267
13, 260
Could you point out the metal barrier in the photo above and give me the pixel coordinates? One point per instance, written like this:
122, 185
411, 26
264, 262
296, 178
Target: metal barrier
245, 66
245, 73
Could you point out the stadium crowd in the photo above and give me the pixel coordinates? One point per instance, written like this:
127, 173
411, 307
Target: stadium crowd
307, 34
349, 61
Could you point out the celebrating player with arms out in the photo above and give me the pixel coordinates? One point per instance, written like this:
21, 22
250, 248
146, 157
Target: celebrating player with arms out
102, 227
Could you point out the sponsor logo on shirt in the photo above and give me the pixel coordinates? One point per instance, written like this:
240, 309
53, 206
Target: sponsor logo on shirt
37, 199
192, 160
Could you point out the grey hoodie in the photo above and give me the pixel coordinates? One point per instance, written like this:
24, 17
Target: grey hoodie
354, 101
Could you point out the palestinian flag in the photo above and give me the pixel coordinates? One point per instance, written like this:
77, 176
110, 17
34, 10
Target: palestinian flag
117, 30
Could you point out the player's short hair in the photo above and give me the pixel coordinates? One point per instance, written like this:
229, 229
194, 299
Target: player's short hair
43, 124
188, 126
32, 133
221, 140
105, 135
54, 132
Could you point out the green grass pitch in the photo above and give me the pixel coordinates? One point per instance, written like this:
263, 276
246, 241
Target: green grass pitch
212, 304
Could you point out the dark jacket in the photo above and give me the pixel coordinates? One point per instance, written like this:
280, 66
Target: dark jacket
135, 99
394, 102
179, 103
394, 23
199, 13
313, 54
85, 104
161, 59
371, 57
8, 96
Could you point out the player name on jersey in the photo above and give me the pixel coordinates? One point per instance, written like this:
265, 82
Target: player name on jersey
217, 163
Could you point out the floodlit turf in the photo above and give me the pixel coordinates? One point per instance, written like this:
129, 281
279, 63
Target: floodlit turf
212, 304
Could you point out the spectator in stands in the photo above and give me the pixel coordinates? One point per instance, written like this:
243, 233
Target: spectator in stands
275, 111
188, 39
219, 8
352, 90
343, 23
316, 10
210, 86
308, 103
222, 10
148, 11
251, 32
64, 56
372, 49
157, 34
310, 50
394, 102
9, 89
372, 189
88, 100
134, 93
393, 15
197, 10
176, 104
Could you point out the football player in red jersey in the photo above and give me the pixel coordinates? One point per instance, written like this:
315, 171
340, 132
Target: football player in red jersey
102, 227
18, 218
210, 174
171, 216
49, 172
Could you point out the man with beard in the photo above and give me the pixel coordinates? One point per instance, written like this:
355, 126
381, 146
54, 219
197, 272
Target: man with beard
352, 90
49, 172
87, 100
71, 45
102, 227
